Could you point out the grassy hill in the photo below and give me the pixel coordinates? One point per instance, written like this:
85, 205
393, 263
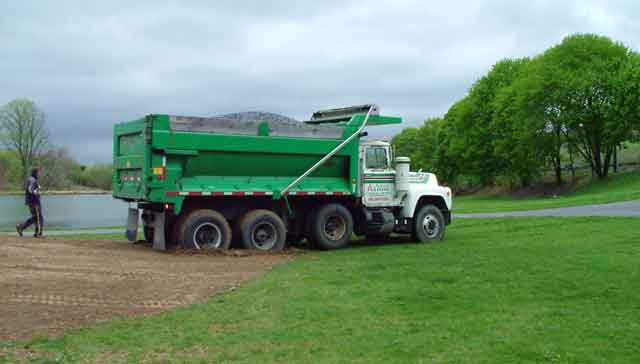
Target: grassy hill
621, 187
542, 290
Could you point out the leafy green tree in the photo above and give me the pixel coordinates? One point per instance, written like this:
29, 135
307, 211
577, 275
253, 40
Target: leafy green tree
585, 90
450, 152
421, 145
520, 143
581, 97
10, 171
425, 155
23, 131
98, 176
4, 171
405, 143
58, 167
627, 89
531, 130
472, 131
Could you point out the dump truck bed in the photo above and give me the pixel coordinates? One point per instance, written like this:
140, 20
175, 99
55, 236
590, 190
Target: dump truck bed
161, 157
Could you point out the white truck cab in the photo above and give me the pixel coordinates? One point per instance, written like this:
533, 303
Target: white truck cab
413, 200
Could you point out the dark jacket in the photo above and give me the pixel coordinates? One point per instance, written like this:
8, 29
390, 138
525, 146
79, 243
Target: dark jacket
32, 191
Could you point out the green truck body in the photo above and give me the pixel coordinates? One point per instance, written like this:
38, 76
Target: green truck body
154, 163
172, 165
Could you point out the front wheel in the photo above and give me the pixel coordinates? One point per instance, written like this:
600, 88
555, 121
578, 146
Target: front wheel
205, 230
331, 227
428, 224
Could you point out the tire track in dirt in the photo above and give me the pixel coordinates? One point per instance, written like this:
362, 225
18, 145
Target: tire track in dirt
50, 285
145, 276
91, 301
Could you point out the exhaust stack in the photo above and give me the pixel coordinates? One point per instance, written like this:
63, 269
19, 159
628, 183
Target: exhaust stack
403, 167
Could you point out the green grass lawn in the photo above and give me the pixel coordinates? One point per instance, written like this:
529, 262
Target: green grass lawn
547, 290
622, 187
630, 153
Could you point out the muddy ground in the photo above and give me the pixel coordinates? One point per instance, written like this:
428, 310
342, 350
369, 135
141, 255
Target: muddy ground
50, 285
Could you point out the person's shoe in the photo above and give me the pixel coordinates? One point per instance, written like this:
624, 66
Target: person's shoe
19, 230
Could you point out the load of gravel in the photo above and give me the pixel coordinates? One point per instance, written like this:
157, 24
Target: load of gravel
257, 116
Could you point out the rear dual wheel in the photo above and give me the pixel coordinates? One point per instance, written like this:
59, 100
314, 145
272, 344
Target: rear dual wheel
330, 227
262, 230
204, 230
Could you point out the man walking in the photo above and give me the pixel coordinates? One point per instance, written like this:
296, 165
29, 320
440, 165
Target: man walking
32, 199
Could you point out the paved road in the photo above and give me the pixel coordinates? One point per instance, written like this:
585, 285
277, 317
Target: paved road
624, 209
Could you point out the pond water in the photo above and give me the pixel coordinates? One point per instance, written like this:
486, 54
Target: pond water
67, 211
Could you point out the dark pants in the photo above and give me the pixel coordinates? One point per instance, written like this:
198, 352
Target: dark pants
35, 219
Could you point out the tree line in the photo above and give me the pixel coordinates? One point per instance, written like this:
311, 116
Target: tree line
579, 101
26, 142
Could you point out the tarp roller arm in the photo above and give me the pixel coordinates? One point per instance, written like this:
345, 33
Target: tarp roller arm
331, 154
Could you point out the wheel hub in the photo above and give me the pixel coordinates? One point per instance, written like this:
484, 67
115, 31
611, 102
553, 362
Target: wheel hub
431, 226
264, 236
335, 227
207, 236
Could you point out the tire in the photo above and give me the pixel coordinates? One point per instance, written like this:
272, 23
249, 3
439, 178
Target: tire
262, 230
204, 230
428, 224
378, 238
331, 227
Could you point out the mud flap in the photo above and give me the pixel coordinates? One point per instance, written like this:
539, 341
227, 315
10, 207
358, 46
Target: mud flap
132, 225
158, 231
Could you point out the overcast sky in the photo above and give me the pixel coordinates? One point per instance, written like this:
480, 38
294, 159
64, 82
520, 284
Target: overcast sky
89, 65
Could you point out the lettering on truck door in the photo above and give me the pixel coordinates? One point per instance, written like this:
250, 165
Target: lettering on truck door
378, 179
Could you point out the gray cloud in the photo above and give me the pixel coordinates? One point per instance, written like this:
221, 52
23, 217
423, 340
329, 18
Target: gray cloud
90, 65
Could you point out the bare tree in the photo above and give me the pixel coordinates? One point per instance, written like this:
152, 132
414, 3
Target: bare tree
23, 131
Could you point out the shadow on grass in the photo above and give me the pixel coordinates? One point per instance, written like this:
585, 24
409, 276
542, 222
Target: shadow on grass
359, 243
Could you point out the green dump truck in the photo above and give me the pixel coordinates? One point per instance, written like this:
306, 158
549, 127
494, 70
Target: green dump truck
201, 182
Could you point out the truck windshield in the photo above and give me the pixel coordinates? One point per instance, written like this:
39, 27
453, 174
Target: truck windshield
376, 158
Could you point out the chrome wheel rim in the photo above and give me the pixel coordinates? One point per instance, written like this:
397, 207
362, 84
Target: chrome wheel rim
207, 236
431, 226
335, 227
264, 235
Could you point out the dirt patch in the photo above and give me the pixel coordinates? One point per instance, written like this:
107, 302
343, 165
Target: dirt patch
50, 285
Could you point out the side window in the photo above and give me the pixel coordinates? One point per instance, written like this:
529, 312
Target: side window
376, 158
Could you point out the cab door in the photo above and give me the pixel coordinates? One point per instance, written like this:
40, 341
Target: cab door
378, 180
